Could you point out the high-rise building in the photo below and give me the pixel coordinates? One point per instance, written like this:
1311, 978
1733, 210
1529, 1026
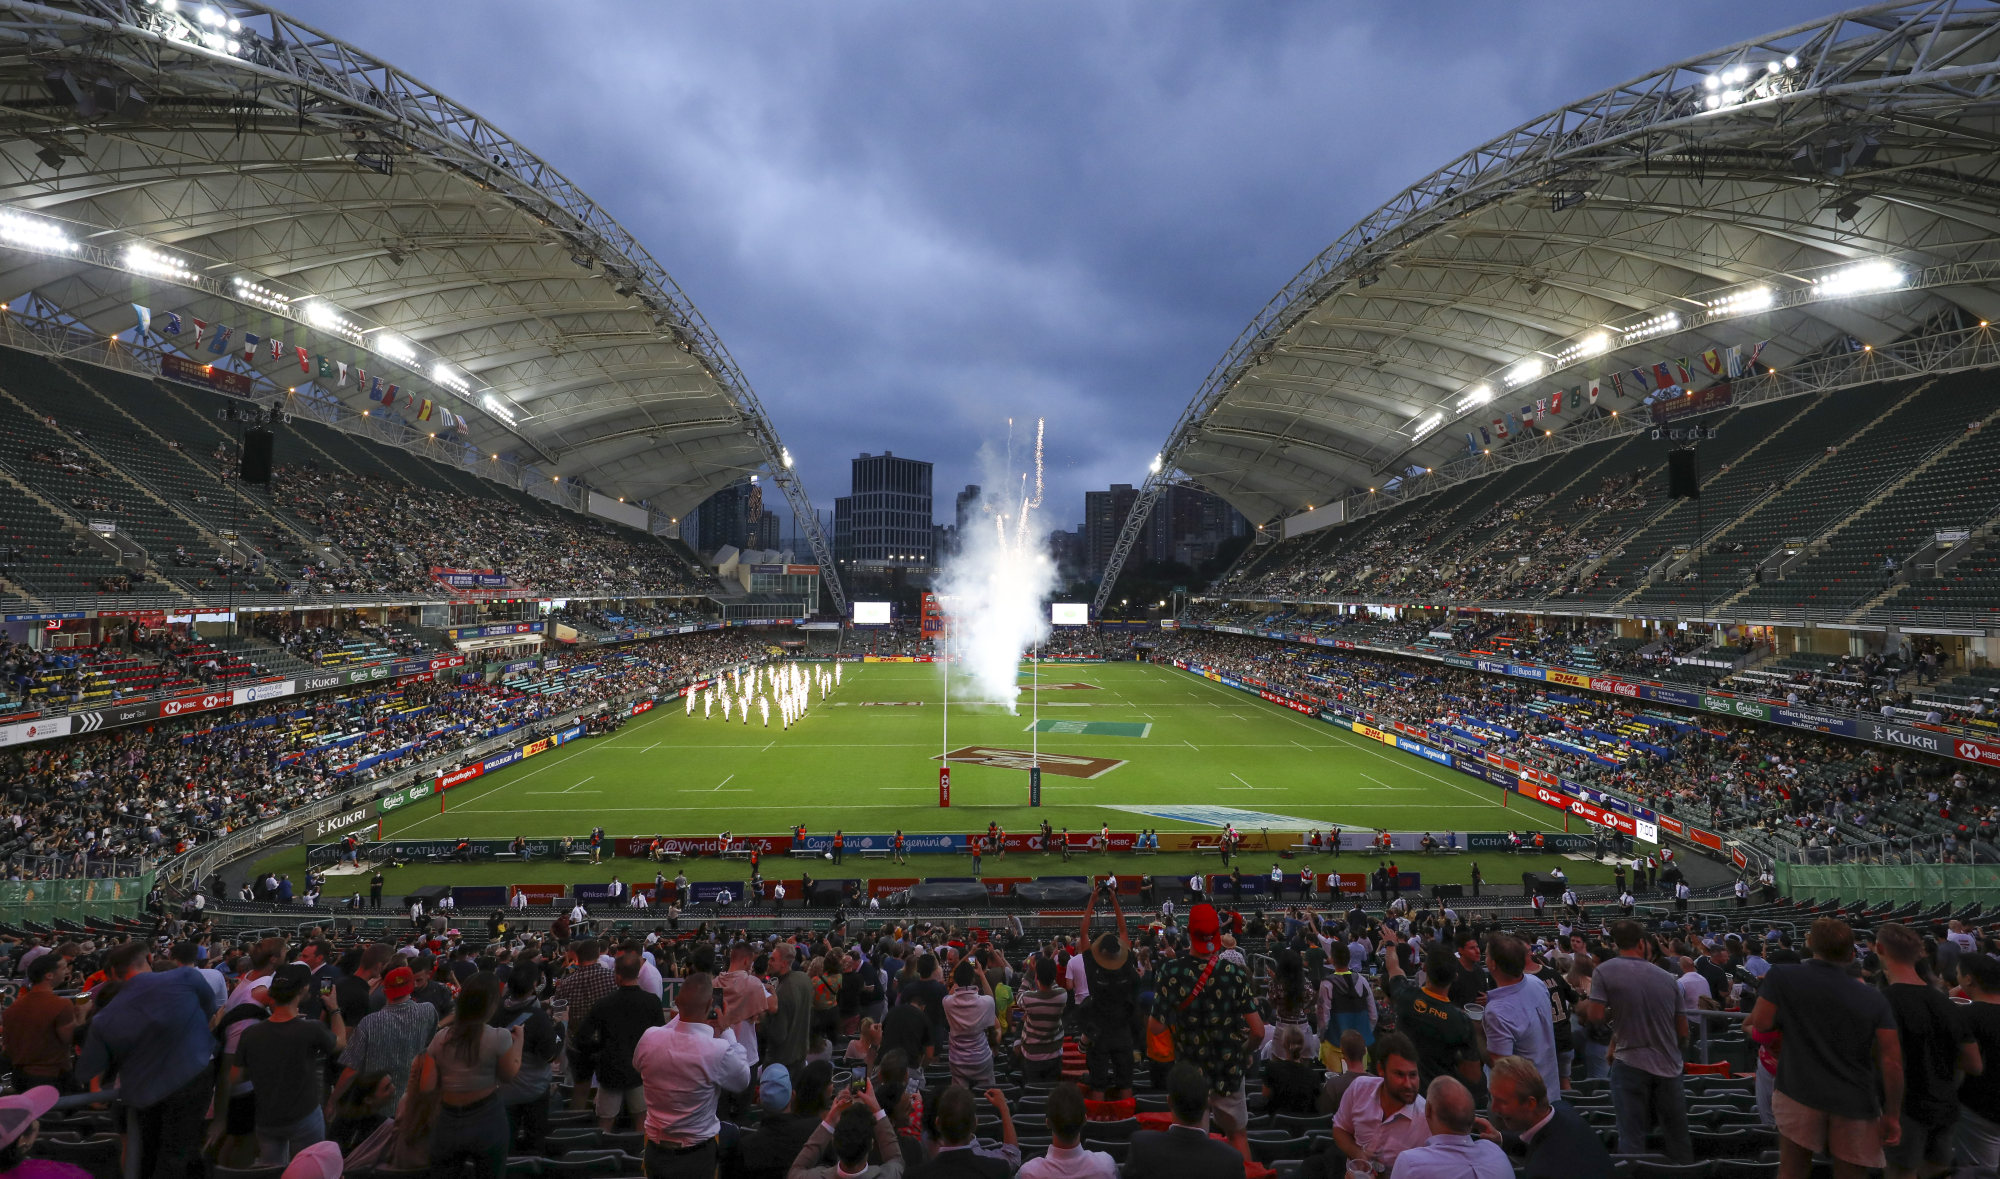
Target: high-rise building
1187, 526
968, 505
729, 517
885, 521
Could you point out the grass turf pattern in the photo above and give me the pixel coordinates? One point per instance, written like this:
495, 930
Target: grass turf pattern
1157, 748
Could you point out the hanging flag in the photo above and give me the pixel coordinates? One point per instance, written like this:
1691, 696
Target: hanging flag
1643, 377
361, 379
424, 412
1735, 361
341, 367
302, 361
1754, 354
249, 347
1500, 425
1542, 406
325, 368
1516, 423
220, 343
1712, 361
199, 328
173, 324
1681, 367
1471, 445
1527, 414
1661, 377
1556, 405
389, 396
374, 390
144, 316
277, 348
1617, 386
1485, 439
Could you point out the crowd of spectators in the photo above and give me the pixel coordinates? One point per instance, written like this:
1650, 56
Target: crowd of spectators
160, 788
392, 535
1789, 787
1413, 1044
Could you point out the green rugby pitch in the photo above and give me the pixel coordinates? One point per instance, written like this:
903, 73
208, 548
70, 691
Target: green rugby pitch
1132, 745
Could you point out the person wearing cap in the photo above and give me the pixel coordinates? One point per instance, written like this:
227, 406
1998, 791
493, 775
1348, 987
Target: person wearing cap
1113, 1007
791, 1114
20, 1117
386, 1041
1207, 1004
284, 1058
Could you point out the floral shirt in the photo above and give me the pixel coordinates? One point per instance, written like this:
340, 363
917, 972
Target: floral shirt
1209, 1032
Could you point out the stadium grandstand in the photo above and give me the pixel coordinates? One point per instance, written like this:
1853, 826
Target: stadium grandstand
389, 790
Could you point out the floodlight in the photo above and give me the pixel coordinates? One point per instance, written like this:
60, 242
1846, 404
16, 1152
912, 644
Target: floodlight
1860, 279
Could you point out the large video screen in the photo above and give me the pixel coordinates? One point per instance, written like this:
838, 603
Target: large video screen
871, 613
1069, 613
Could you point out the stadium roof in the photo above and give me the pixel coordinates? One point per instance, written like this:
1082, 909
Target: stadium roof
1823, 188
222, 162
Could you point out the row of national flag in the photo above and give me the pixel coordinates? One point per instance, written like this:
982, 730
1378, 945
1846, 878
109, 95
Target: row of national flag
1675, 375
331, 373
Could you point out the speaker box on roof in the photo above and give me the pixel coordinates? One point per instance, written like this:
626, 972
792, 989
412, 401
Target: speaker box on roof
1681, 480
256, 465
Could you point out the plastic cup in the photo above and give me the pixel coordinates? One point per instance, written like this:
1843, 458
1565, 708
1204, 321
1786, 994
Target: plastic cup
1476, 1012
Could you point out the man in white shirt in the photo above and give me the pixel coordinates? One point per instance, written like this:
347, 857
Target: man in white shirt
1694, 988
520, 902
684, 1066
1066, 1159
1079, 983
578, 918
1450, 1152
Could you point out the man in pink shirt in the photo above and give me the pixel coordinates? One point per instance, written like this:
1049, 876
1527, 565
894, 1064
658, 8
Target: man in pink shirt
1382, 1116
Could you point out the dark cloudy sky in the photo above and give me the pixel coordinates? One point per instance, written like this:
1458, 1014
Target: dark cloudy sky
910, 221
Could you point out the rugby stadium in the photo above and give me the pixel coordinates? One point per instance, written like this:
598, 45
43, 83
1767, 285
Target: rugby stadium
1619, 499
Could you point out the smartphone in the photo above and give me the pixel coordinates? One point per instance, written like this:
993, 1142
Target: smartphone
857, 1085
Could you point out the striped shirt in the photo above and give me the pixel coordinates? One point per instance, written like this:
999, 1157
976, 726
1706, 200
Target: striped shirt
1041, 1022
386, 1041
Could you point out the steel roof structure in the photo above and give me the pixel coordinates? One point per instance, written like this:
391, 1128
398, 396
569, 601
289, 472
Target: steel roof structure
1826, 188
217, 160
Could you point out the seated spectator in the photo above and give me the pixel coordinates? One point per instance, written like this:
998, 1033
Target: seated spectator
1291, 1085
1452, 1152
1554, 1141
1184, 1149
1066, 1114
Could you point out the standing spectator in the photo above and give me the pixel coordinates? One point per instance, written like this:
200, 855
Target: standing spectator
1113, 1009
465, 1066
1978, 1149
1937, 1046
526, 1095
1648, 1027
1558, 1144
1447, 1039
1452, 1151
1066, 1158
789, 1025
611, 1033
1206, 1002
40, 1029
586, 983
969, 1010
385, 1042
1840, 1076
153, 1041
1184, 1149
1041, 1007
1382, 1116
284, 1057
1520, 1020
685, 1066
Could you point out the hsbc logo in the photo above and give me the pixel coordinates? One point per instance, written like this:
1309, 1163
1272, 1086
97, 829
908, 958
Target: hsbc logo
1977, 752
194, 703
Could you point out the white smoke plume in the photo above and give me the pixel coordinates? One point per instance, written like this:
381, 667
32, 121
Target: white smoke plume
995, 591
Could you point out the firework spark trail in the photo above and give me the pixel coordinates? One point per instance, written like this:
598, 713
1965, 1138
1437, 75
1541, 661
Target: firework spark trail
996, 587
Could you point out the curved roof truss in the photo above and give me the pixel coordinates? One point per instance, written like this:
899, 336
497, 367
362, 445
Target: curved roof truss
168, 152
1832, 185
